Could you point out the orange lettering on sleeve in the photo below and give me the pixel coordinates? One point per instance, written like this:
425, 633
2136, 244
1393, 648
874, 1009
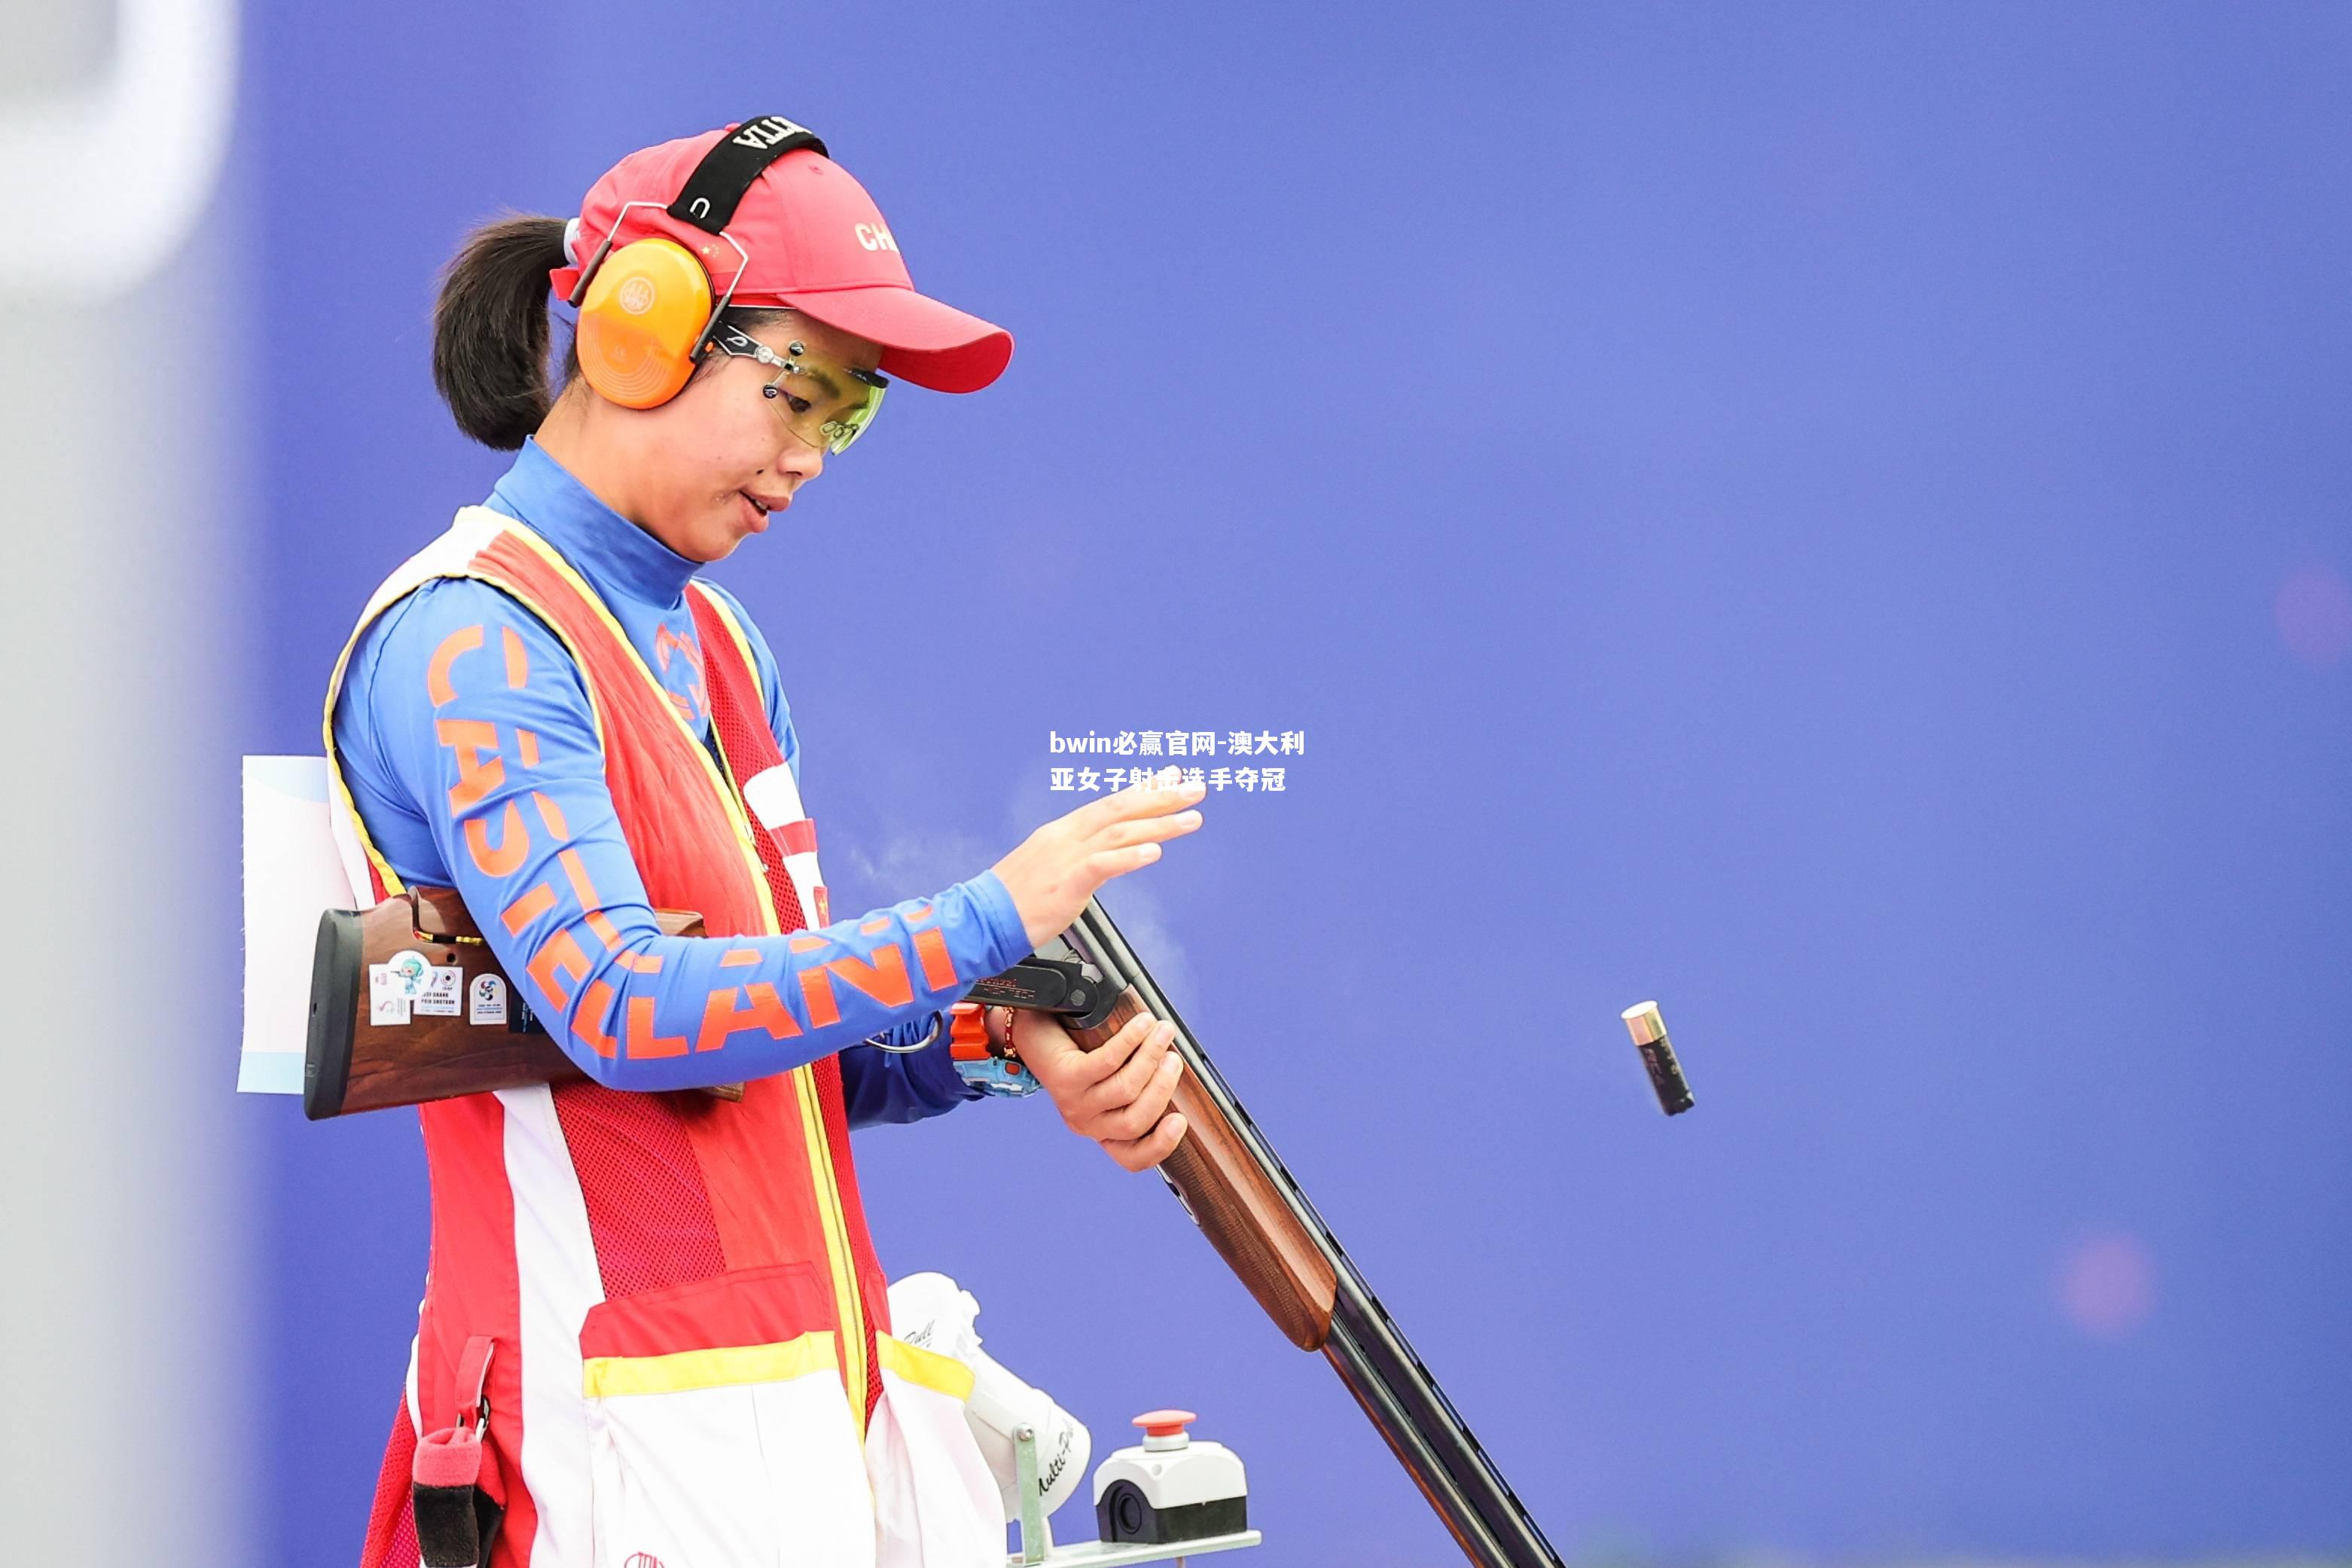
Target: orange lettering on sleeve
737, 957
514, 843
816, 990
466, 740
875, 927
642, 1041
550, 814
558, 952
588, 1022
938, 965
606, 931
518, 658
884, 979
583, 887
527, 908
527, 743
637, 963
465, 639
722, 1018
467, 736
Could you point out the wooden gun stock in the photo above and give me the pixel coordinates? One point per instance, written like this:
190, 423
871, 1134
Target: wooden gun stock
352, 1064
1235, 1204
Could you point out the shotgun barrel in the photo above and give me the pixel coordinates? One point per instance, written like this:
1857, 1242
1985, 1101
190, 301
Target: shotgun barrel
1259, 1219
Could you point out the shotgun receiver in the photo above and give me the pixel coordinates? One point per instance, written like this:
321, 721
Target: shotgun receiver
1254, 1214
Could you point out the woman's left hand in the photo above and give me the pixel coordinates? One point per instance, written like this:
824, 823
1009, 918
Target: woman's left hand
1116, 1094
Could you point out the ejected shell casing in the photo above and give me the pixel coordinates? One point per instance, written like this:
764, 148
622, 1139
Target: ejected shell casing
1649, 1032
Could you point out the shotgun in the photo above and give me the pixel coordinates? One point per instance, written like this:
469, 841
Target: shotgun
1257, 1216
1224, 1172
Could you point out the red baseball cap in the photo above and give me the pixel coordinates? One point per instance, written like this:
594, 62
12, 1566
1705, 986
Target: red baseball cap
816, 242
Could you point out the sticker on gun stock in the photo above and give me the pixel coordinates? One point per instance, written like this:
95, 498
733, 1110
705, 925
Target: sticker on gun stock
487, 1003
391, 986
444, 987
409, 982
387, 1002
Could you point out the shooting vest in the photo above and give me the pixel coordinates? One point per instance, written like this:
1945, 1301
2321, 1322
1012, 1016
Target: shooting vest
690, 1362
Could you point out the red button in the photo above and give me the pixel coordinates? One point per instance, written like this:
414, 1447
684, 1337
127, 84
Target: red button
1165, 1423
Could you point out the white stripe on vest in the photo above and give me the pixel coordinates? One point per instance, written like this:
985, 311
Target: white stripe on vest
774, 798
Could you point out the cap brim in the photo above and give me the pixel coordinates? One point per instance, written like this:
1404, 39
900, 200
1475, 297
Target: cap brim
926, 342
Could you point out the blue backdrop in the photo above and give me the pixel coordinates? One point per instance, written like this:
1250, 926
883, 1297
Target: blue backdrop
1835, 520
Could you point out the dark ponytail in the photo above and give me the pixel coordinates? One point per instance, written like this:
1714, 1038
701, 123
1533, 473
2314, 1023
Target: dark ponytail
490, 330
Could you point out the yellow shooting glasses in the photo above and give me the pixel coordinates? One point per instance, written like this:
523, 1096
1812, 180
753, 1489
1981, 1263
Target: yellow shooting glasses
827, 407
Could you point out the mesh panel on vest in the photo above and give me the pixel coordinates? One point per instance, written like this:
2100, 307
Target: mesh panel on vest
404, 1553
735, 739
392, 1523
648, 1215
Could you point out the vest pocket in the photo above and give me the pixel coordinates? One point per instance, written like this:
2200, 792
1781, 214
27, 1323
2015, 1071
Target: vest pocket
719, 1432
935, 1503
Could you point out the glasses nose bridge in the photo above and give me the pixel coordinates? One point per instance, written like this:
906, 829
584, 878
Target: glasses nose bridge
797, 453
820, 428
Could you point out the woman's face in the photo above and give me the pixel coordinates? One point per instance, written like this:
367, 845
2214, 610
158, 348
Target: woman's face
709, 468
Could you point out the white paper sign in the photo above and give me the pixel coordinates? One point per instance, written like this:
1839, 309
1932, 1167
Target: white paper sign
294, 870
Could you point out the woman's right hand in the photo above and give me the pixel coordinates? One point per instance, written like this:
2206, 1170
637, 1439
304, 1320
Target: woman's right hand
1057, 868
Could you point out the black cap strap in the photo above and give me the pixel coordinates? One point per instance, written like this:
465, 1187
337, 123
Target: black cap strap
735, 160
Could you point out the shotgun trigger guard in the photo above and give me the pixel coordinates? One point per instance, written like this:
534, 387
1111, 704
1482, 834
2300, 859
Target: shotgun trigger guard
880, 1043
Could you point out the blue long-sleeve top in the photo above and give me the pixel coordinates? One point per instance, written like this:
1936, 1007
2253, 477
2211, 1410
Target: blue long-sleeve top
713, 1016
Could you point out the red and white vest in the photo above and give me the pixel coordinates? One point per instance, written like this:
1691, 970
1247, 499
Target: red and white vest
692, 1364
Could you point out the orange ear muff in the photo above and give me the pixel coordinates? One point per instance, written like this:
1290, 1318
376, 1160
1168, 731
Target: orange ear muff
642, 321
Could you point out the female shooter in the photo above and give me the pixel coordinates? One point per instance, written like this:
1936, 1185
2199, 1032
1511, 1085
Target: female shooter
655, 1330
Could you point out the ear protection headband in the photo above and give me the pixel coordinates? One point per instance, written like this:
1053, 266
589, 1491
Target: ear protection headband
646, 309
